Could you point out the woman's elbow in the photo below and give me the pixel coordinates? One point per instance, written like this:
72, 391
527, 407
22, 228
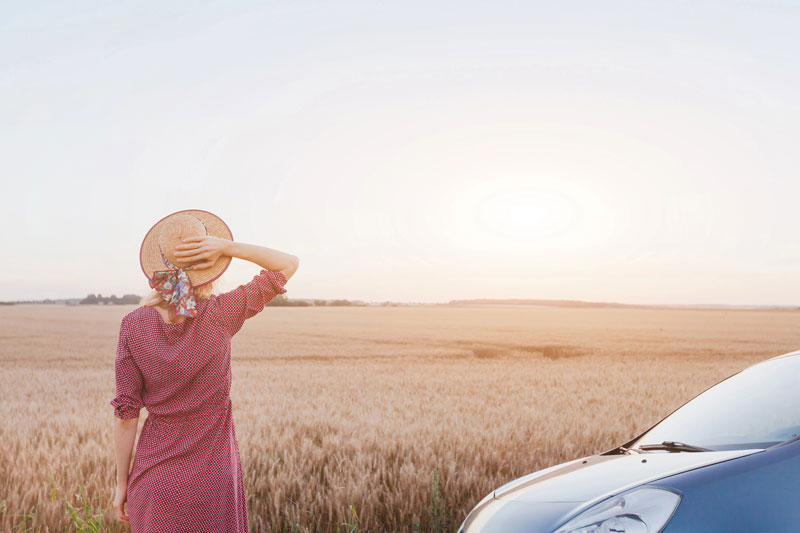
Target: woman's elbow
294, 264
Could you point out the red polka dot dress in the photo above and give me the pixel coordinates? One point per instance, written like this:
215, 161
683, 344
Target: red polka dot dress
186, 474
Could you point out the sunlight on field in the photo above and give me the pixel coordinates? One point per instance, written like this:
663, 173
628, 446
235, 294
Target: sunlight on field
340, 407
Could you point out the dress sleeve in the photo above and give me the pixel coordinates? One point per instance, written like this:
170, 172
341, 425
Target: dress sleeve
128, 378
246, 300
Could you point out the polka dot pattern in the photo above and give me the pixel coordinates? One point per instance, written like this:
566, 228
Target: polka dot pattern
186, 473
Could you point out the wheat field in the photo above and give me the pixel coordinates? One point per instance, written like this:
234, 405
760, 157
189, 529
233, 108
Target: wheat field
369, 418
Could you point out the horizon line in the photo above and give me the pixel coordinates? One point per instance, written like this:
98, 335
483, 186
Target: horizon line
542, 302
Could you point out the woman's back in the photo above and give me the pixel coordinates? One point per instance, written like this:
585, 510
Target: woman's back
186, 471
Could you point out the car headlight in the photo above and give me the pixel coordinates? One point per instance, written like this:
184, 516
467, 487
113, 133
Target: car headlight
641, 510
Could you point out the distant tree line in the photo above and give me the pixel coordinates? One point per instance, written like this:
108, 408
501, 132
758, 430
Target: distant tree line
113, 299
279, 300
336, 302
282, 301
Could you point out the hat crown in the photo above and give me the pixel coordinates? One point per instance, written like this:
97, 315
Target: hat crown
172, 233
176, 227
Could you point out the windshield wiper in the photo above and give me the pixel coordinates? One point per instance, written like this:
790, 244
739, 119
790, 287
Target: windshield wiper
673, 446
628, 450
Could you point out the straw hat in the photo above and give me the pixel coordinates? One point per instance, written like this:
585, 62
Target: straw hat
170, 232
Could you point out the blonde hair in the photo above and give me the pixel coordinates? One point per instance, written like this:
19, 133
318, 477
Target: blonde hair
154, 298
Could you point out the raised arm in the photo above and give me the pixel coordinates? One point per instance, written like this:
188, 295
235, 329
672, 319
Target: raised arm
232, 308
267, 258
208, 248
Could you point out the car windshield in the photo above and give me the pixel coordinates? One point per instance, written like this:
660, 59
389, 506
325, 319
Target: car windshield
756, 408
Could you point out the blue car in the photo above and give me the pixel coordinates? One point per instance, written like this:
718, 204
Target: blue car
726, 461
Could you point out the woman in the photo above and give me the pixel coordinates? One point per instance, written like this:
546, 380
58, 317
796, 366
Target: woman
173, 357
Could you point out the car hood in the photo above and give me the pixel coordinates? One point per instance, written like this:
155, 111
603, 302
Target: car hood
590, 477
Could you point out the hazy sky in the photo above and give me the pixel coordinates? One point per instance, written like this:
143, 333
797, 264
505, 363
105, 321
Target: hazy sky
639, 152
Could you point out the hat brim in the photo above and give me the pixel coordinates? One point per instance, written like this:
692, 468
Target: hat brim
150, 255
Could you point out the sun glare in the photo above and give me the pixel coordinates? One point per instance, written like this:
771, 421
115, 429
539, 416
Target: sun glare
526, 213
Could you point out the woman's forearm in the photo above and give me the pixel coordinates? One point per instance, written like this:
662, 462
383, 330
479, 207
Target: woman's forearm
266, 258
124, 437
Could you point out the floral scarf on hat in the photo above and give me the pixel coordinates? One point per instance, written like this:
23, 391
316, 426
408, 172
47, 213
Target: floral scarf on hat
175, 287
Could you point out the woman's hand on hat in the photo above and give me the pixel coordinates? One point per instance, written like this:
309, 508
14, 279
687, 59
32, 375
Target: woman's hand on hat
204, 248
